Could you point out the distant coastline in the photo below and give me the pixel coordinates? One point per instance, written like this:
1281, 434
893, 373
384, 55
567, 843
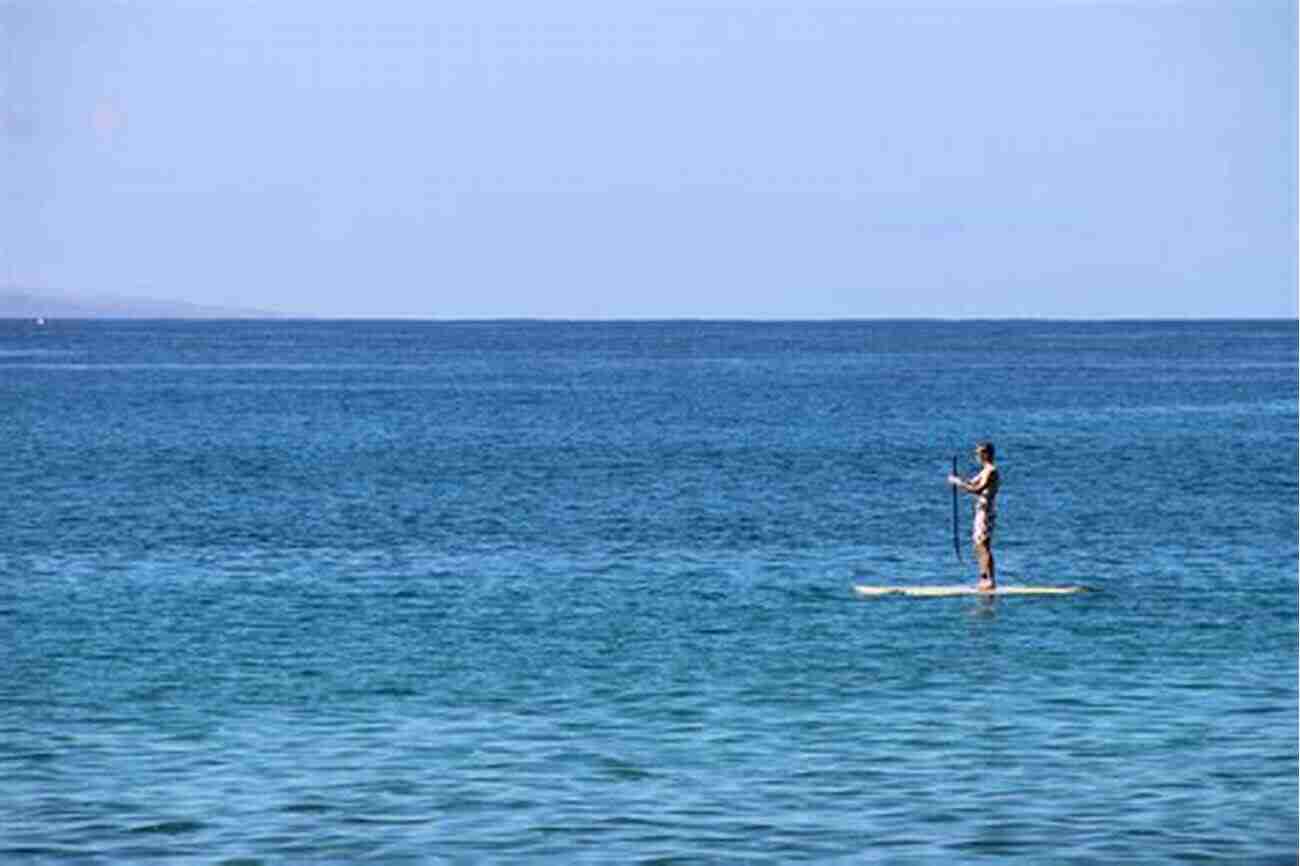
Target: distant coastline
33, 304
42, 304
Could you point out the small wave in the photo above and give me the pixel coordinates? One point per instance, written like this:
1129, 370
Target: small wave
175, 827
6, 354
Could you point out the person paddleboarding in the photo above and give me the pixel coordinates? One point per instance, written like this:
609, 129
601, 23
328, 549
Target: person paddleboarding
984, 487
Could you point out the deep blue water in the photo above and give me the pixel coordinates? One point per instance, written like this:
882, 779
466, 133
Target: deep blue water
323, 592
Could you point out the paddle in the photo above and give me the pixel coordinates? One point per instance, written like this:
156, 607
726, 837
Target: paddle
956, 539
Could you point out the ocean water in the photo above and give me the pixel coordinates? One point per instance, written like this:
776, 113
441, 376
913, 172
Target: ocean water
412, 592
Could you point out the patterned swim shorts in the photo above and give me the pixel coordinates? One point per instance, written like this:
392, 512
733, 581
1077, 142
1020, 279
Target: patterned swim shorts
985, 521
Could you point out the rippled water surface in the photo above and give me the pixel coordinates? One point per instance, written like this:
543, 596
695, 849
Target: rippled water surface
289, 592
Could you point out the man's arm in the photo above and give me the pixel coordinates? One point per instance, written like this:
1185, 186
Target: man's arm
977, 484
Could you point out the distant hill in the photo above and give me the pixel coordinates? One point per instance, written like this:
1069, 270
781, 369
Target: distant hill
31, 304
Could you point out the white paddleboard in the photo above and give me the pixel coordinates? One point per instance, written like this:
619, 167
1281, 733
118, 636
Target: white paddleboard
964, 589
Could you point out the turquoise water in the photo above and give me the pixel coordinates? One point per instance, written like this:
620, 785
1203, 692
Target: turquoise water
310, 592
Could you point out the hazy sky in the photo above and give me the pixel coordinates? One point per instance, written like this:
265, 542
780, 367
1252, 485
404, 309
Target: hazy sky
577, 159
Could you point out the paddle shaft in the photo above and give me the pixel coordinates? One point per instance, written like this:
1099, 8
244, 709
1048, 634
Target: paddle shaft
956, 537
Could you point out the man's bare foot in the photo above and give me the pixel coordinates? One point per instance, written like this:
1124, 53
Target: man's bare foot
986, 585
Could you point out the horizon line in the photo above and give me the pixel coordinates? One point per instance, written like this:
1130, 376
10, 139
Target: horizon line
295, 317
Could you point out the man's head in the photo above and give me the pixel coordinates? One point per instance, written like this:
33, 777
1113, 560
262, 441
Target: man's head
984, 451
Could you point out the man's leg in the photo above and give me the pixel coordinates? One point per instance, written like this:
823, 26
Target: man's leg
988, 572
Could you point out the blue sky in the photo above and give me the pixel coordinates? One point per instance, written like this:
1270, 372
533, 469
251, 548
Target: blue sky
579, 159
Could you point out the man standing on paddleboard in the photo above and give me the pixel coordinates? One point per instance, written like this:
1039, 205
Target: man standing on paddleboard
984, 487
